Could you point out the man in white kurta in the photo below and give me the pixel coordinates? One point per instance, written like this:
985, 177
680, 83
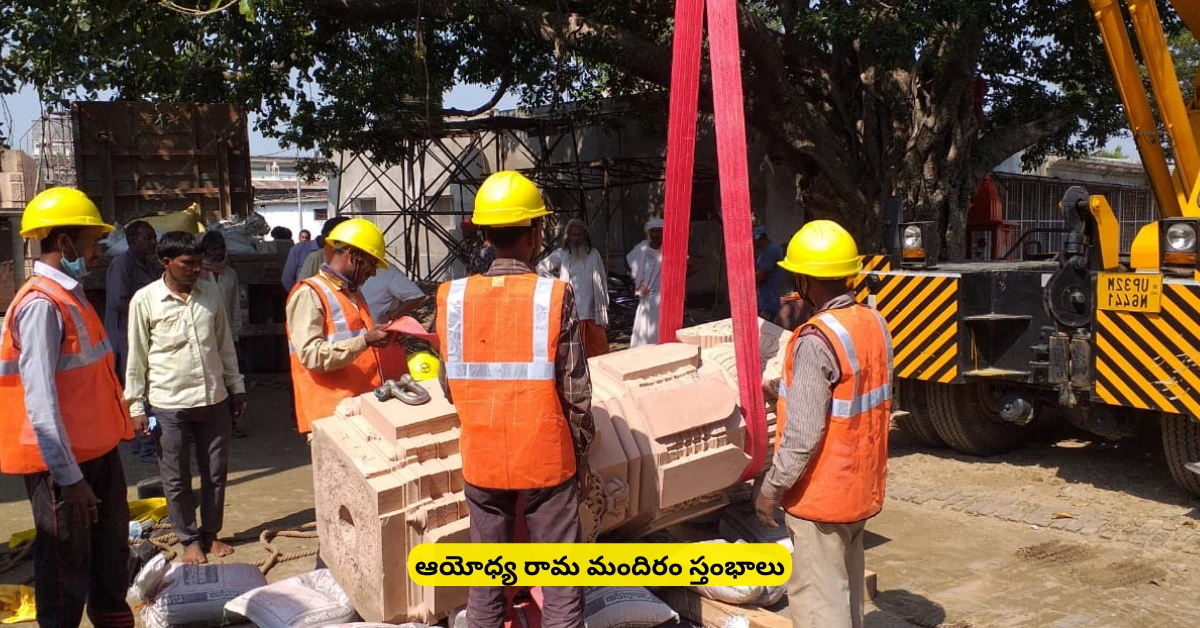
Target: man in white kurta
645, 265
578, 263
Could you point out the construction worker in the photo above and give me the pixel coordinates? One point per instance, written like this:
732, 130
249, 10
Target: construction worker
331, 337
515, 368
831, 436
64, 417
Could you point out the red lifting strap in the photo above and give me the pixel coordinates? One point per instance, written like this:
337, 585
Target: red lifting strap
735, 197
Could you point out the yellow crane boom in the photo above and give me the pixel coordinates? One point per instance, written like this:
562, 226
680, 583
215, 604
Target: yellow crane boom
1178, 193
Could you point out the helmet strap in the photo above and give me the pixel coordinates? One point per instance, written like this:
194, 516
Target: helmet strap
802, 290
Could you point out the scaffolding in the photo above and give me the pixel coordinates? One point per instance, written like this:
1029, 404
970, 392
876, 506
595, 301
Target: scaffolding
453, 158
51, 142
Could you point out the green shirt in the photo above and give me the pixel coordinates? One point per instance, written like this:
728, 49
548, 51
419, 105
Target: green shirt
312, 264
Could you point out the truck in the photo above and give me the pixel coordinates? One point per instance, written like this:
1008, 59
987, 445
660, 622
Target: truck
137, 160
1106, 343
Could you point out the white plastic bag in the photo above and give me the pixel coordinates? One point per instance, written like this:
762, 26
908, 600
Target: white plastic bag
305, 601
756, 594
624, 607
191, 595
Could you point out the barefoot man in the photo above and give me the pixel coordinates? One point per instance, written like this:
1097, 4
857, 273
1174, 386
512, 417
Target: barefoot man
182, 362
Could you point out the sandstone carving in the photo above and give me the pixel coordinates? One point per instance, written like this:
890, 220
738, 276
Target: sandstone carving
388, 476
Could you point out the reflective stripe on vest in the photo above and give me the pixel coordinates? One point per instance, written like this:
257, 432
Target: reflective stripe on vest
315, 393
89, 353
541, 368
90, 401
843, 408
337, 316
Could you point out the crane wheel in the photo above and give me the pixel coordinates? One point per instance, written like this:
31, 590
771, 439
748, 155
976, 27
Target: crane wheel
910, 397
1181, 444
966, 418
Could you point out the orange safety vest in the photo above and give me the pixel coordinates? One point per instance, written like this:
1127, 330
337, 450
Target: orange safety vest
500, 339
91, 400
316, 394
844, 481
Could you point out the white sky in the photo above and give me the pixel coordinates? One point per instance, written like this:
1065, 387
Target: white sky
23, 109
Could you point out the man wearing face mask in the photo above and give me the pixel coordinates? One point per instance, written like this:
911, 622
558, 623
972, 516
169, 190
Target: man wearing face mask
331, 337
63, 417
831, 438
515, 369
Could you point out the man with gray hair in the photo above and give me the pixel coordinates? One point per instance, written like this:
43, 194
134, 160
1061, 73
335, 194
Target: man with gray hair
578, 263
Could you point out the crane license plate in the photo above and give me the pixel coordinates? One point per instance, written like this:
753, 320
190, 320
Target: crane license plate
1129, 292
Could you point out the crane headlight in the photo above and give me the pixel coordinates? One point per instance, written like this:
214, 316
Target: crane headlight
1181, 238
912, 237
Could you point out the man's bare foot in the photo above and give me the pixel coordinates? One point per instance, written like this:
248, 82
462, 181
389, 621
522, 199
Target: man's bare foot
220, 550
194, 555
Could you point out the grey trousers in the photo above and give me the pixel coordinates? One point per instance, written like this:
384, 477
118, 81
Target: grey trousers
206, 429
826, 589
552, 516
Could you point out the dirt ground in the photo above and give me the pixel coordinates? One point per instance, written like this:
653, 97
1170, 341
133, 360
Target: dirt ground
961, 542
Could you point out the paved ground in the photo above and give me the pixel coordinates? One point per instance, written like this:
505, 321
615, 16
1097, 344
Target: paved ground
961, 542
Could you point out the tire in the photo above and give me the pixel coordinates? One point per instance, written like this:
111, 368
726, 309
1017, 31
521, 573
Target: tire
963, 416
1181, 444
910, 397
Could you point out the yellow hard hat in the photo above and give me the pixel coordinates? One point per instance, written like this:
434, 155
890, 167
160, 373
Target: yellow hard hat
60, 207
507, 199
423, 365
822, 249
363, 235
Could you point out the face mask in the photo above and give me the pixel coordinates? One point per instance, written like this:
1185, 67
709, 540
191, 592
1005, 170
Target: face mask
76, 269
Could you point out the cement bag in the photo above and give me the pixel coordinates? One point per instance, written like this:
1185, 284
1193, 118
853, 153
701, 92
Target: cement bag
185, 220
191, 596
624, 607
730, 595
741, 522
304, 601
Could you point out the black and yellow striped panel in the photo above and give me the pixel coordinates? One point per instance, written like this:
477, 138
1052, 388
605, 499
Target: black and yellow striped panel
922, 313
871, 264
1152, 361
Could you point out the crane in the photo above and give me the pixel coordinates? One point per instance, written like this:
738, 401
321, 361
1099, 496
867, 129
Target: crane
985, 348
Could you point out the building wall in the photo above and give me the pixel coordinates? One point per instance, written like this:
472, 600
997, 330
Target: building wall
283, 213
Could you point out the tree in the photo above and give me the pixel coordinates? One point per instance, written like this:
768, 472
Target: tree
1186, 52
863, 98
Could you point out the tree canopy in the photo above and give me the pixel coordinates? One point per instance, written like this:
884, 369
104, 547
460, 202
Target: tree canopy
864, 99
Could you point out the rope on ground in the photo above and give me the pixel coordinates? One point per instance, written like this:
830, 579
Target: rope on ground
8, 563
308, 530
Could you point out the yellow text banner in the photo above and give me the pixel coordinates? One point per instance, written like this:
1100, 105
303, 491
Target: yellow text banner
599, 564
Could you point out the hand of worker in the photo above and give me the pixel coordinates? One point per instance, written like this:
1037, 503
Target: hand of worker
379, 338
141, 425
238, 409
764, 507
583, 474
81, 503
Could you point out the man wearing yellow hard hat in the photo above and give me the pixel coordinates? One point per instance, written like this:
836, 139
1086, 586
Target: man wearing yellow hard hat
64, 415
831, 435
514, 366
332, 340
